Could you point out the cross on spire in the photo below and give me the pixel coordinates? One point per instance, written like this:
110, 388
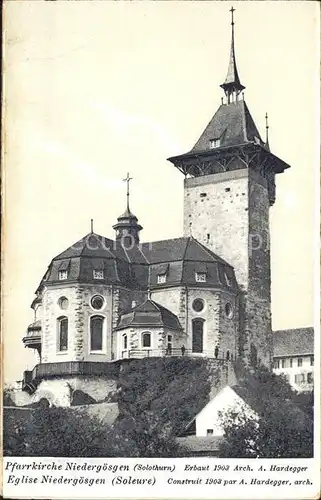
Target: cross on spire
232, 10
128, 179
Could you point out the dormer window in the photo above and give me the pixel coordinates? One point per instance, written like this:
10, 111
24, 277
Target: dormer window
63, 274
98, 274
200, 277
162, 272
161, 278
215, 143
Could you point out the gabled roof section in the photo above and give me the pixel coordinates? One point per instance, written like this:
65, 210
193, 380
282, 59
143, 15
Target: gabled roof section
232, 124
293, 342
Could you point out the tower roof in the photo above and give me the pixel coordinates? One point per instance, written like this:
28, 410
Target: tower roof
232, 124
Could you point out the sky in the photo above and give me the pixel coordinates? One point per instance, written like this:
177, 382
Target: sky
94, 90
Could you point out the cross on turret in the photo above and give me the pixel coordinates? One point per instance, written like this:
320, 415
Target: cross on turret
128, 179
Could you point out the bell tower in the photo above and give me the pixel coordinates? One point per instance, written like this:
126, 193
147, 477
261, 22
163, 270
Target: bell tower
228, 190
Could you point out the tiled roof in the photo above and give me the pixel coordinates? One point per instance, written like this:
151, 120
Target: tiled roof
232, 124
200, 444
293, 342
149, 313
139, 266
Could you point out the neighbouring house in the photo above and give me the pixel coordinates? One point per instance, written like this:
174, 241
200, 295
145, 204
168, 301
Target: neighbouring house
208, 423
294, 357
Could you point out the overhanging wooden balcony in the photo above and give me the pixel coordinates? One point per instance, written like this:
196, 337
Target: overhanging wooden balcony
33, 337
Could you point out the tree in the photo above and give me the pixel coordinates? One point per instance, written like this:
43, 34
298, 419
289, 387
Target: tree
157, 397
57, 432
281, 429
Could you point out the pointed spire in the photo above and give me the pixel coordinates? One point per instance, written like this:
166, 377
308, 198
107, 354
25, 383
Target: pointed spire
232, 85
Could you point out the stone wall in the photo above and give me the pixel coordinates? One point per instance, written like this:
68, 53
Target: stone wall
78, 313
229, 213
59, 391
216, 214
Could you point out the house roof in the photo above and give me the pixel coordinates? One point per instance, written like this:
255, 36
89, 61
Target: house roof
149, 313
293, 342
200, 444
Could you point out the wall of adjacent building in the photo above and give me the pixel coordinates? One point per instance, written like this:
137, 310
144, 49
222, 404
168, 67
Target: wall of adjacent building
296, 375
209, 418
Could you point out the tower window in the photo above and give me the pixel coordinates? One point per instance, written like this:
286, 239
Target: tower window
96, 333
200, 277
62, 334
146, 339
63, 274
98, 274
215, 143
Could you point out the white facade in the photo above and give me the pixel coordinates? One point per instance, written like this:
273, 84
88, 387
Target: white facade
298, 370
208, 421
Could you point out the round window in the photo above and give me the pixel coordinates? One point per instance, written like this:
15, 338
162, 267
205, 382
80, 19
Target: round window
63, 303
198, 305
229, 310
97, 302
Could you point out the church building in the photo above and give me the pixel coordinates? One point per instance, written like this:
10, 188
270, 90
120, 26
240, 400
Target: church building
206, 293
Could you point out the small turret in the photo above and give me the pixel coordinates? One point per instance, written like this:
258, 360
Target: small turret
127, 227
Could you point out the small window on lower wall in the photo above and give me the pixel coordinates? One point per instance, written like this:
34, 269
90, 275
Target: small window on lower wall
209, 432
96, 333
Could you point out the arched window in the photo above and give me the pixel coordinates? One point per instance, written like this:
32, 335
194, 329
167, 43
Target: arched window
146, 339
198, 328
62, 333
125, 341
96, 333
